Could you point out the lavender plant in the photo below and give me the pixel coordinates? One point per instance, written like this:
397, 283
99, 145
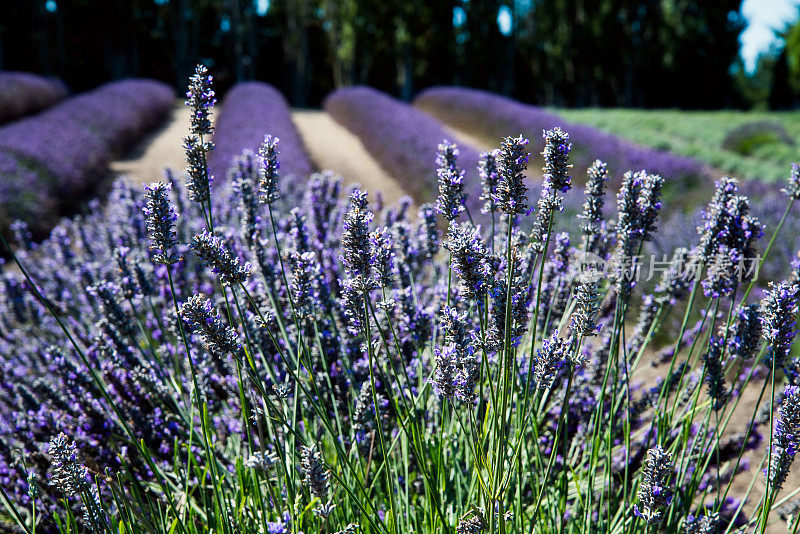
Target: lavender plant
23, 93
252, 358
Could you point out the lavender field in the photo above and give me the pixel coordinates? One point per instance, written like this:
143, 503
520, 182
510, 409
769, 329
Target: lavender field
557, 330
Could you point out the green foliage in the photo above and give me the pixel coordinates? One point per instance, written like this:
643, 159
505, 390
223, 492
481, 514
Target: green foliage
701, 135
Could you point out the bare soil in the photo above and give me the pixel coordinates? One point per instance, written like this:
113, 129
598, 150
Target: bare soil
160, 149
332, 147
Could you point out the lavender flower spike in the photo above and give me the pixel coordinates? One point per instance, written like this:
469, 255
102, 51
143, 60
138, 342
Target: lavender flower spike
715, 216
787, 438
654, 491
470, 261
587, 305
512, 162
473, 523
69, 474
595, 198
549, 203
744, 335
556, 159
268, 174
305, 283
215, 254
550, 358
792, 188
451, 181
383, 256
160, 218
715, 373
778, 312
490, 176
316, 475
201, 98
200, 315
198, 179
356, 246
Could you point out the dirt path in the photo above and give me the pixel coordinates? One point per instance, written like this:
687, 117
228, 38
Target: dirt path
333, 147
330, 146
160, 149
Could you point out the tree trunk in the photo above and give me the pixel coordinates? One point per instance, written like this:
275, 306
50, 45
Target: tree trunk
296, 47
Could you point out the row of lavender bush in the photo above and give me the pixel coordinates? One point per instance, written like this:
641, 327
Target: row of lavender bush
23, 93
402, 140
64, 151
491, 116
248, 110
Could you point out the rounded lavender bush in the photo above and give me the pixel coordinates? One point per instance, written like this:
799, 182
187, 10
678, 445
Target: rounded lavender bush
23, 93
248, 111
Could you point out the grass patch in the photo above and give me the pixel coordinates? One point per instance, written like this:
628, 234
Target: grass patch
701, 134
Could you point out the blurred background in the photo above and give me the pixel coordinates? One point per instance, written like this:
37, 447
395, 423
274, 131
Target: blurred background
634, 53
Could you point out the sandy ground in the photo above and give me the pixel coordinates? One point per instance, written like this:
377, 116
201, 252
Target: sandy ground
160, 149
333, 147
330, 146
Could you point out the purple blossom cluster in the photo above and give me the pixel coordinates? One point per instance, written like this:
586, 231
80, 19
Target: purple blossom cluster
24, 93
247, 112
402, 140
491, 116
62, 153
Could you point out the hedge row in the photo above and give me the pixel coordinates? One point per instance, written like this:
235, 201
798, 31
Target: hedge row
23, 93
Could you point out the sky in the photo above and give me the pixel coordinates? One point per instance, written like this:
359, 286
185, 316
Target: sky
763, 18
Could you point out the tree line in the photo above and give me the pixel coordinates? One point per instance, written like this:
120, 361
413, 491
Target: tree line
635, 53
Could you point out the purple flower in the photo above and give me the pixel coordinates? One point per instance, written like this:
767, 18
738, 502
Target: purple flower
160, 222
201, 98
356, 247
198, 179
450, 202
315, 474
655, 493
594, 193
549, 203
490, 177
551, 357
456, 372
587, 306
786, 439
268, 172
744, 336
383, 256
512, 161
778, 312
470, 261
215, 254
305, 285
792, 188
715, 372
556, 159
69, 473
200, 315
